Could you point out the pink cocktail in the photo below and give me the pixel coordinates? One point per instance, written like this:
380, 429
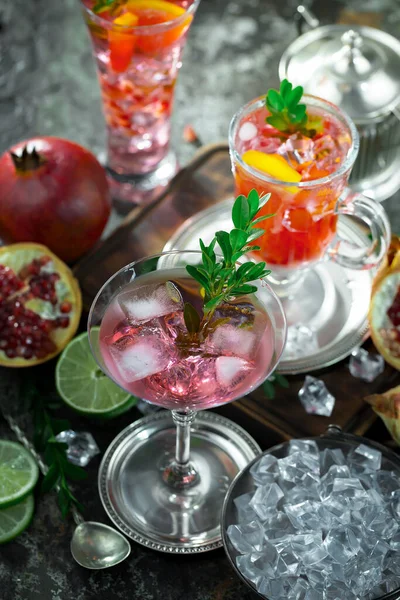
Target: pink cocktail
138, 48
143, 342
140, 339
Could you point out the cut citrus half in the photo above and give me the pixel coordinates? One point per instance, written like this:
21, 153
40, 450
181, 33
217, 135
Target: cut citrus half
387, 407
273, 165
18, 473
83, 385
384, 311
15, 519
41, 305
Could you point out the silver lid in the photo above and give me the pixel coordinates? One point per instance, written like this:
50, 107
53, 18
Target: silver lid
356, 68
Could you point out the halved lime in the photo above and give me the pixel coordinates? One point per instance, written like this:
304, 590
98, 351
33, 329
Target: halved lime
15, 519
18, 473
83, 385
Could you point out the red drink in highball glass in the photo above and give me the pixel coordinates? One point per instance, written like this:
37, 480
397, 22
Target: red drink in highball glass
145, 346
138, 47
268, 160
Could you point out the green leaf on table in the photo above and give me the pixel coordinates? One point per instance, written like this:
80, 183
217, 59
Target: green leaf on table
74, 472
50, 479
269, 389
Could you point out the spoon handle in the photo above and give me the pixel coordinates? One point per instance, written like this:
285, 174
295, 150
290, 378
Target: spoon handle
21, 437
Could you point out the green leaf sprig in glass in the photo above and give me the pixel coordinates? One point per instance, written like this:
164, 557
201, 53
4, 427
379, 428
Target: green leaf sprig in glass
223, 278
288, 114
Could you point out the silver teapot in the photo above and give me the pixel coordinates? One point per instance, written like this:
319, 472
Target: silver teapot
358, 69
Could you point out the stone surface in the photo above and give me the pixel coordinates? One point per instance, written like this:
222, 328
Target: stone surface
48, 86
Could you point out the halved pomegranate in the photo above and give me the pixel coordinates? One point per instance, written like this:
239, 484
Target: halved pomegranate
384, 311
40, 305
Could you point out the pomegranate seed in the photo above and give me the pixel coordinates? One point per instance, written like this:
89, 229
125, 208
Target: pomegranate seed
65, 307
62, 322
10, 353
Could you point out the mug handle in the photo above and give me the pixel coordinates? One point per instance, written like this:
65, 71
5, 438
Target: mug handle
374, 217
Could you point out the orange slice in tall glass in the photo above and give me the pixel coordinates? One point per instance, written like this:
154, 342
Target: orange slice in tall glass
122, 41
156, 12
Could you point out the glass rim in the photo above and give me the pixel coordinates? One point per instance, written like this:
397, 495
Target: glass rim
159, 255
146, 29
343, 168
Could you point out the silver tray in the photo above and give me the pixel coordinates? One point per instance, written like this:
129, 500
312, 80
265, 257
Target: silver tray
151, 513
340, 323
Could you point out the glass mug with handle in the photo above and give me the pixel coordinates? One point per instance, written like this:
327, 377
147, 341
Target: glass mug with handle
307, 178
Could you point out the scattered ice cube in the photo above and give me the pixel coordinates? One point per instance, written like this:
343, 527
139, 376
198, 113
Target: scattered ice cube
316, 398
147, 302
265, 500
141, 357
246, 538
303, 446
231, 370
295, 466
365, 365
299, 590
342, 543
278, 527
245, 564
273, 589
245, 511
265, 470
395, 542
81, 446
329, 457
288, 563
300, 340
387, 482
366, 457
247, 131
350, 491
304, 516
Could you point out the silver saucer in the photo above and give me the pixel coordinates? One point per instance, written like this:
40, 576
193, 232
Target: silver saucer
143, 507
335, 303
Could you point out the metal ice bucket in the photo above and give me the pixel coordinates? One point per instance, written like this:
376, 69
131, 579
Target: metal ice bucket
243, 483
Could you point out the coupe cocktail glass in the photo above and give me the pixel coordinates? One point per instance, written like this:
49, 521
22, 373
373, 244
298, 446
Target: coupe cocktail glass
138, 49
307, 178
144, 346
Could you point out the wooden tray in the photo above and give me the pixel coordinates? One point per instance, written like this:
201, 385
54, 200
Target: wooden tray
145, 230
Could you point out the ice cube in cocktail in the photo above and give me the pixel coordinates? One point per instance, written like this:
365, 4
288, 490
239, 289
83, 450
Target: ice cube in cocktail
144, 344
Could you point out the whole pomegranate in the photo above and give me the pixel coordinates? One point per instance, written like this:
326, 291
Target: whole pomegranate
53, 192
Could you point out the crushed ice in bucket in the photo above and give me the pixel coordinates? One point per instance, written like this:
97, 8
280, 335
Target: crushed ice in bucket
320, 525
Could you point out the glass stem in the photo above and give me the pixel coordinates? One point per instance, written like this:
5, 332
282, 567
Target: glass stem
180, 473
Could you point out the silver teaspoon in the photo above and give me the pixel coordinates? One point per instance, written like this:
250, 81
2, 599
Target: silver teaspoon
93, 545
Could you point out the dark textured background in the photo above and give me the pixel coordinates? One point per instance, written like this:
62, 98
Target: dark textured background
48, 86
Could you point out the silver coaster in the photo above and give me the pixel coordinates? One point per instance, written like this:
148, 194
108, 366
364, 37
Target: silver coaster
332, 301
138, 501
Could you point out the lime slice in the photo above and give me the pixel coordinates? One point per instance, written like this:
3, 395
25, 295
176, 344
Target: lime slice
84, 387
15, 519
18, 473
